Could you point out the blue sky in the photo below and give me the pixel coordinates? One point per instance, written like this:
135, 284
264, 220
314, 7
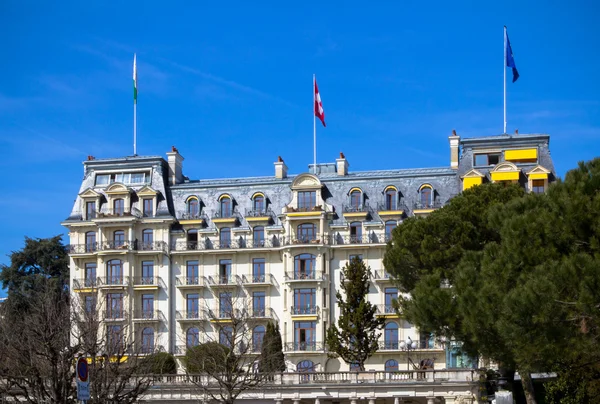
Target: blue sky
230, 84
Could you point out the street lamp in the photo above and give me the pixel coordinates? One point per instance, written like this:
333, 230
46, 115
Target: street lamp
407, 346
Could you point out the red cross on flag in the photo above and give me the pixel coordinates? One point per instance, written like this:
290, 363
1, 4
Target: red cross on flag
319, 113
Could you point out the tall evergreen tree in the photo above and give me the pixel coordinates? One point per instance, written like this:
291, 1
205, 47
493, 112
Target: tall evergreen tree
272, 359
355, 338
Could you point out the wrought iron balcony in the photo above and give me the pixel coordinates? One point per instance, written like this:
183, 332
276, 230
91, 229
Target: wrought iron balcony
190, 315
183, 245
383, 309
315, 208
115, 315
223, 280
147, 281
110, 212
307, 346
387, 207
185, 215
147, 315
363, 208
273, 241
189, 281
389, 345
113, 281
370, 238
150, 349
83, 248
226, 313
259, 213
304, 276
224, 244
428, 205
260, 312
304, 310
302, 240
258, 279
85, 283
128, 245
381, 275
151, 246
225, 214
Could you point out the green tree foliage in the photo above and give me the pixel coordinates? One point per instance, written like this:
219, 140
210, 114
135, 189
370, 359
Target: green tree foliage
355, 338
272, 359
210, 357
160, 363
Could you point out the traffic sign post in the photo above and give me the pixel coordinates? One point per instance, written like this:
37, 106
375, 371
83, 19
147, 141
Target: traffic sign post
83, 384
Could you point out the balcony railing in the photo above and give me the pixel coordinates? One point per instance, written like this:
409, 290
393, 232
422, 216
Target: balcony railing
315, 208
307, 346
386, 309
259, 213
225, 214
386, 207
304, 276
183, 215
115, 315
381, 275
83, 248
223, 279
260, 312
226, 313
304, 310
147, 315
151, 246
355, 208
113, 281
370, 238
107, 213
118, 245
389, 345
150, 349
257, 279
85, 283
428, 205
191, 281
147, 281
190, 315
208, 244
300, 240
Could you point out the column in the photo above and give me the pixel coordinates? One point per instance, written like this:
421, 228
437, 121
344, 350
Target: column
317, 401
430, 400
396, 400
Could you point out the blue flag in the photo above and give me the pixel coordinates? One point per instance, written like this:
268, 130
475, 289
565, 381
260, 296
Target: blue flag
510, 58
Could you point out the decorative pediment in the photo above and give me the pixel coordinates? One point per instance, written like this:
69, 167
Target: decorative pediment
539, 170
117, 188
505, 172
504, 167
147, 191
473, 174
90, 194
306, 181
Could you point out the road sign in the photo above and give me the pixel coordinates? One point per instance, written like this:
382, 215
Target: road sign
82, 369
83, 390
83, 385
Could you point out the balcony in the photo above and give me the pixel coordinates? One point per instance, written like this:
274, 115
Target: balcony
150, 349
147, 315
151, 246
387, 311
389, 345
259, 215
381, 275
115, 315
113, 282
223, 280
304, 310
88, 248
299, 276
421, 208
190, 315
118, 245
304, 240
189, 282
185, 217
355, 212
147, 282
257, 280
305, 212
259, 313
85, 285
308, 346
227, 314
391, 209
116, 213
208, 244
371, 238
226, 217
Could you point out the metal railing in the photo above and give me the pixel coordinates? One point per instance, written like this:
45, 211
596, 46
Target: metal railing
184, 215
83, 248
227, 214
118, 245
315, 208
147, 315
151, 246
307, 346
190, 315
147, 281
304, 310
370, 238
259, 213
115, 315
189, 281
428, 205
304, 276
220, 279
113, 280
260, 312
300, 240
257, 279
385, 207
85, 283
355, 208
389, 345
386, 309
111, 212
381, 275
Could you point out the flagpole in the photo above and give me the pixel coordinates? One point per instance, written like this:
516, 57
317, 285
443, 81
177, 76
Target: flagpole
314, 124
504, 79
134, 129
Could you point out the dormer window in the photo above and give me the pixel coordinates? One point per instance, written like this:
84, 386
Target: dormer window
148, 206
426, 197
90, 210
356, 199
307, 200
193, 207
258, 204
391, 196
119, 206
226, 206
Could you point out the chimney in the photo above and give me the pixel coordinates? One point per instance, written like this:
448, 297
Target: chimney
342, 165
175, 166
280, 169
454, 140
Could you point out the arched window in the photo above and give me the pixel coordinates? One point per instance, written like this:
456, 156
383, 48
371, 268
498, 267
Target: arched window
356, 232
391, 199
119, 239
225, 204
258, 236
391, 365
390, 225
425, 197
90, 241
147, 340
305, 366
119, 207
193, 208
258, 204
356, 200
192, 337
391, 336
304, 266
307, 232
114, 272
225, 237
147, 239
258, 335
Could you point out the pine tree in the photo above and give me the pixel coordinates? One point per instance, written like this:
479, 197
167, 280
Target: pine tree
356, 339
272, 359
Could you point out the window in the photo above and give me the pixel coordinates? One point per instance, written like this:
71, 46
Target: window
305, 335
119, 207
147, 273
191, 273
225, 305
390, 225
258, 236
356, 232
225, 238
356, 200
391, 365
304, 266
486, 159
426, 340
90, 304
114, 305
258, 304
192, 239
119, 239
148, 206
115, 339
90, 210
305, 301
90, 241
147, 340
391, 336
258, 270
147, 240
305, 366
307, 232
224, 272
102, 179
193, 208
390, 199
353, 256
138, 178
226, 336
147, 306
259, 204
90, 274
126, 178
354, 367
114, 271
425, 197
537, 186
258, 335
307, 200
192, 337
391, 294
226, 206
192, 305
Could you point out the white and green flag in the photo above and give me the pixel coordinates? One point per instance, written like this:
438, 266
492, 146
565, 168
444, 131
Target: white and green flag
134, 80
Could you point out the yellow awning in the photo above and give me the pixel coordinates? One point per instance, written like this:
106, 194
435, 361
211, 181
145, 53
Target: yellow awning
538, 176
471, 182
505, 176
522, 154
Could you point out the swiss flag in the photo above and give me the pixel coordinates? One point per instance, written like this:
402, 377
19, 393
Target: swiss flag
319, 113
